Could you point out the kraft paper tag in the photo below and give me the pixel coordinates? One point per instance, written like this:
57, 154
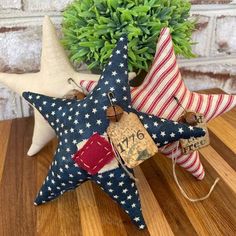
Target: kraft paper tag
193, 144
131, 140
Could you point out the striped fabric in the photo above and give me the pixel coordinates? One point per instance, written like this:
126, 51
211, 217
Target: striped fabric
155, 96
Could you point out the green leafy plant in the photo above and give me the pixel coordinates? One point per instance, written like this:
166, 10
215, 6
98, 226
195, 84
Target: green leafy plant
92, 27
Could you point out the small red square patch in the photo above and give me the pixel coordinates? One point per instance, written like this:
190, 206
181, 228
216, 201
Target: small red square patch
96, 153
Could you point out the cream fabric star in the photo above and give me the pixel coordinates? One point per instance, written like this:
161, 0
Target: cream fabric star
51, 80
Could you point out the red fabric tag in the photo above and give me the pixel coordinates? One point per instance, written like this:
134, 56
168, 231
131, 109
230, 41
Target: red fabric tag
95, 153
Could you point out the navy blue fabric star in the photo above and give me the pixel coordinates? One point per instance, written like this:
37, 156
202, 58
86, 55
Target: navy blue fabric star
75, 121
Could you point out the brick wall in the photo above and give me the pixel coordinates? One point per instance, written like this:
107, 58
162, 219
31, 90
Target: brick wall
20, 45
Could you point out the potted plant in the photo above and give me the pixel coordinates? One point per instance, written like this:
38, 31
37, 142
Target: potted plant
91, 29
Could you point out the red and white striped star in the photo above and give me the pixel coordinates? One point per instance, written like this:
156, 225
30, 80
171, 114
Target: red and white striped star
155, 96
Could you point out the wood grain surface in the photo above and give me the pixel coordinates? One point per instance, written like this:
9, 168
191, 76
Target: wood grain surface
88, 211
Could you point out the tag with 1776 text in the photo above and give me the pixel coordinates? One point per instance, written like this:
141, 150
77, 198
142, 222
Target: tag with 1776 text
131, 140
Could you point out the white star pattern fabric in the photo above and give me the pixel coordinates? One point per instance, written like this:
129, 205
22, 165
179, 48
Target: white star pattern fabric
156, 96
75, 121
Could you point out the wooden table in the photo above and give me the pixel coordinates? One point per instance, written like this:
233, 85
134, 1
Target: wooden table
89, 211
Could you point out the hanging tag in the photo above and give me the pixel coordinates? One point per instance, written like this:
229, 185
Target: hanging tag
131, 139
192, 144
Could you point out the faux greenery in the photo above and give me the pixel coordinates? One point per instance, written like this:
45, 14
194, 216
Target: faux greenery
91, 28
